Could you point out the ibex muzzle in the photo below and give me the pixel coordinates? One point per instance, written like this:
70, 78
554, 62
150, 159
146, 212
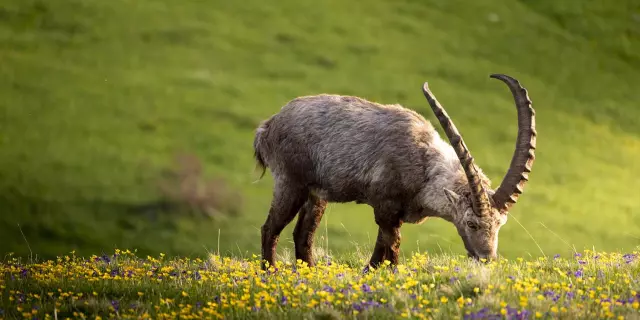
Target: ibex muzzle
331, 148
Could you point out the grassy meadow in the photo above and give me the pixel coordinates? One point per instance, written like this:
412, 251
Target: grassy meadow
99, 97
123, 285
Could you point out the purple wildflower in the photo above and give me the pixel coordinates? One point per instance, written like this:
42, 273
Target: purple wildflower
360, 306
482, 314
366, 288
524, 314
628, 258
556, 256
328, 288
552, 294
578, 273
115, 304
373, 303
513, 313
365, 270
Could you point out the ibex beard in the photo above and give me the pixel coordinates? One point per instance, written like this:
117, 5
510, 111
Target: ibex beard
331, 148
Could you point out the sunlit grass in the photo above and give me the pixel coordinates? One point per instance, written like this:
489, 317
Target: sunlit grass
123, 285
98, 97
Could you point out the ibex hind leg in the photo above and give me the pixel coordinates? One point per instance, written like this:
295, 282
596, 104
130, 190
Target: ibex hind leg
304, 232
287, 200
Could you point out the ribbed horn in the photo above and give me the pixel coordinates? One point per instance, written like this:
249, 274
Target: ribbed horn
480, 197
524, 155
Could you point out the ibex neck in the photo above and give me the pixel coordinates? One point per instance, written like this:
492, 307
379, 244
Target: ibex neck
445, 172
435, 202
447, 175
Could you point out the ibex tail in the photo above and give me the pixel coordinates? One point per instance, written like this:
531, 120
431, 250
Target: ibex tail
258, 147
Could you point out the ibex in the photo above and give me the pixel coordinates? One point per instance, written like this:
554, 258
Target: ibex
331, 148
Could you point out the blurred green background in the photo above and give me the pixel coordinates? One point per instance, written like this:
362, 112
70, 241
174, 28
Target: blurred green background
99, 98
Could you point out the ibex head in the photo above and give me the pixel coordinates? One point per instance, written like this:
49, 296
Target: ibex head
482, 211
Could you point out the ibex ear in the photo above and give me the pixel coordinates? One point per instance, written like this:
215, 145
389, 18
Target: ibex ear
451, 196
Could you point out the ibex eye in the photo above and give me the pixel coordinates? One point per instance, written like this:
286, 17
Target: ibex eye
472, 225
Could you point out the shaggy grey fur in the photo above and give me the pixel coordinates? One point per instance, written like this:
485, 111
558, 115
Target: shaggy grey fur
331, 148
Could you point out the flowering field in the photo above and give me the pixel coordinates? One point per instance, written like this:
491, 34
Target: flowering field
587, 285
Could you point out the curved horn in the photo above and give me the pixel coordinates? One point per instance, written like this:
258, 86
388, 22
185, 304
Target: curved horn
480, 196
518, 174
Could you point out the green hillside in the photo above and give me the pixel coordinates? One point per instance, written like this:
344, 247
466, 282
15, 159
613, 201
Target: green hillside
98, 98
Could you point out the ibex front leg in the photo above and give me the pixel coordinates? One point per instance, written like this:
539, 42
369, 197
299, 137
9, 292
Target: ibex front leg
388, 240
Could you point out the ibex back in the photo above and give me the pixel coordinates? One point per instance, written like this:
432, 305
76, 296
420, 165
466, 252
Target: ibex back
331, 148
